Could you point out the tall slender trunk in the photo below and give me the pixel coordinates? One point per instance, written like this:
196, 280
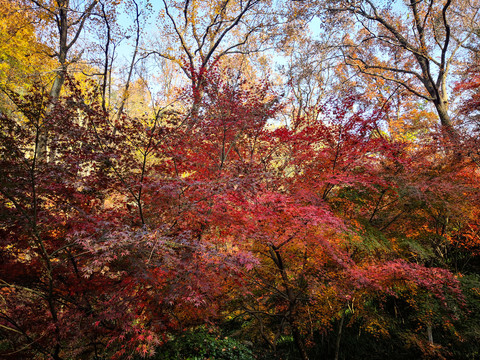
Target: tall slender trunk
125, 94
430, 334
297, 337
54, 96
339, 336
62, 24
60, 15
292, 299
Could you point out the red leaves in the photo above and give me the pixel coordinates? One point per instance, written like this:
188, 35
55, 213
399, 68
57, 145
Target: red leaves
437, 281
470, 85
155, 224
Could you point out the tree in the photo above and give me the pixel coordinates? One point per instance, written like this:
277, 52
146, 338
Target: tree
154, 249
416, 51
63, 24
208, 214
469, 86
206, 31
24, 59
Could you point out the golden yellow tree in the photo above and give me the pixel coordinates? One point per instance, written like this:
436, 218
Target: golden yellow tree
23, 59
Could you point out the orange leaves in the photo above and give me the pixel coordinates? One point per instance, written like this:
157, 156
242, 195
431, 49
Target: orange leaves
150, 226
376, 326
467, 238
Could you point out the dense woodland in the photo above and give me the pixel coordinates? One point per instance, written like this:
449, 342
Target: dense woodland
239, 179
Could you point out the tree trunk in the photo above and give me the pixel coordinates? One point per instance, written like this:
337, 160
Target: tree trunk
62, 24
339, 336
54, 96
430, 334
292, 299
441, 105
297, 337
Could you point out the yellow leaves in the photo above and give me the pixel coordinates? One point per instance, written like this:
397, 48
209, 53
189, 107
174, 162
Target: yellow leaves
18, 43
476, 291
114, 201
186, 174
16, 34
376, 327
21, 255
23, 59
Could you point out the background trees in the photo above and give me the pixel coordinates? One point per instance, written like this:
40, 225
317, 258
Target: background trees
416, 50
192, 209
